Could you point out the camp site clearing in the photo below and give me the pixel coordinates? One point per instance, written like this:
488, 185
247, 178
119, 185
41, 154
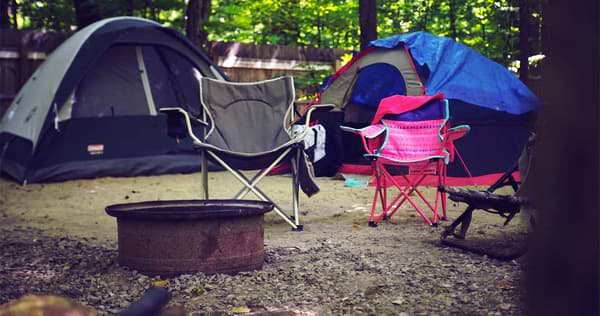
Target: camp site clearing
57, 238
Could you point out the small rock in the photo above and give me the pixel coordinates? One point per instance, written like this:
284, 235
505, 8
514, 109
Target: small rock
505, 306
473, 287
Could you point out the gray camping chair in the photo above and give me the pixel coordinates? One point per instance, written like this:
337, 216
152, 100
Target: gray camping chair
248, 126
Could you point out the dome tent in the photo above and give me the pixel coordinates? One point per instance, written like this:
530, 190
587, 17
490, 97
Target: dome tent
91, 109
483, 94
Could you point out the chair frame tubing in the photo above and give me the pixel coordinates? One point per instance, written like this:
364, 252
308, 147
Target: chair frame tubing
381, 175
250, 185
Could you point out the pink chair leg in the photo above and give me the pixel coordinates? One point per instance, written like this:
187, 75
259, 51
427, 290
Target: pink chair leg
403, 192
443, 194
372, 223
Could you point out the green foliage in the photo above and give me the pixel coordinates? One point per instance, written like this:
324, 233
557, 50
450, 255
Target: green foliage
46, 15
326, 23
489, 26
308, 83
59, 15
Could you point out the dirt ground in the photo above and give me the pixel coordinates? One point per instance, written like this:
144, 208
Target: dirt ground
337, 265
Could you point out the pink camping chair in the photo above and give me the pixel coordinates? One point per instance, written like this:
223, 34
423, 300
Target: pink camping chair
411, 134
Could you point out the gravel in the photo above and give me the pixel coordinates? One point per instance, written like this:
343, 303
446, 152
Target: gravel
398, 269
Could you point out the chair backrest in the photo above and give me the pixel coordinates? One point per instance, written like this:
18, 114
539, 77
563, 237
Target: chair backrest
247, 117
416, 135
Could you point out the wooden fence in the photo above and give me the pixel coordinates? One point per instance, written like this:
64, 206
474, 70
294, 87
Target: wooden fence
21, 52
248, 62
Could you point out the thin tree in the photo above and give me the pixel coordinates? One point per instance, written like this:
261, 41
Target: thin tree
453, 20
197, 14
86, 12
14, 10
4, 14
523, 40
129, 8
367, 16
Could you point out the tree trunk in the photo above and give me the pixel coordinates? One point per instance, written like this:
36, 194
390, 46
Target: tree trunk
367, 16
562, 276
4, 16
14, 14
453, 21
523, 40
197, 14
319, 30
130, 7
86, 12
422, 23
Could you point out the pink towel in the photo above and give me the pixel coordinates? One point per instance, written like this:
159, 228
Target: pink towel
398, 104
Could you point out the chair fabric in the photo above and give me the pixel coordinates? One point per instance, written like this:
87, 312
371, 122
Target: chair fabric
247, 118
248, 127
412, 141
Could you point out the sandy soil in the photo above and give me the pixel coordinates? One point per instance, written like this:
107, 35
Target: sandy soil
336, 216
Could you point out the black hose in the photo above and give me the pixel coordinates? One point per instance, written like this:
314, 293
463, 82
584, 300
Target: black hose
149, 304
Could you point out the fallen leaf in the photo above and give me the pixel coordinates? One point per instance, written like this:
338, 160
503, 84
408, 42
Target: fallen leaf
198, 290
504, 286
240, 310
160, 283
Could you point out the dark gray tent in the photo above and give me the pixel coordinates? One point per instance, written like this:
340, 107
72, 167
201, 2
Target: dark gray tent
91, 109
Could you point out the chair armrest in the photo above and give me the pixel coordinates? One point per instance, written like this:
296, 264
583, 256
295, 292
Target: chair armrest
456, 132
314, 108
177, 113
306, 118
321, 107
180, 111
369, 132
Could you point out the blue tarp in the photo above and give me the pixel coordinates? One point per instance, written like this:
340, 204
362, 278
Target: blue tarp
462, 73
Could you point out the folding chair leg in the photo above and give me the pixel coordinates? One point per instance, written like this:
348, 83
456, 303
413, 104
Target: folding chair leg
400, 199
296, 189
257, 177
278, 209
393, 206
378, 180
409, 192
383, 196
442, 193
433, 208
204, 165
252, 181
412, 203
252, 187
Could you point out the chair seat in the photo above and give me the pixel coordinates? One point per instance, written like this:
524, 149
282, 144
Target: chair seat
244, 161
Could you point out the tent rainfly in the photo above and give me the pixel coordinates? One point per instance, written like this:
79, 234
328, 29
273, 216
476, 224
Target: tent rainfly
91, 109
483, 94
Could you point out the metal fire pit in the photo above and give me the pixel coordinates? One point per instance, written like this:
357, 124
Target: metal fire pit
174, 237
